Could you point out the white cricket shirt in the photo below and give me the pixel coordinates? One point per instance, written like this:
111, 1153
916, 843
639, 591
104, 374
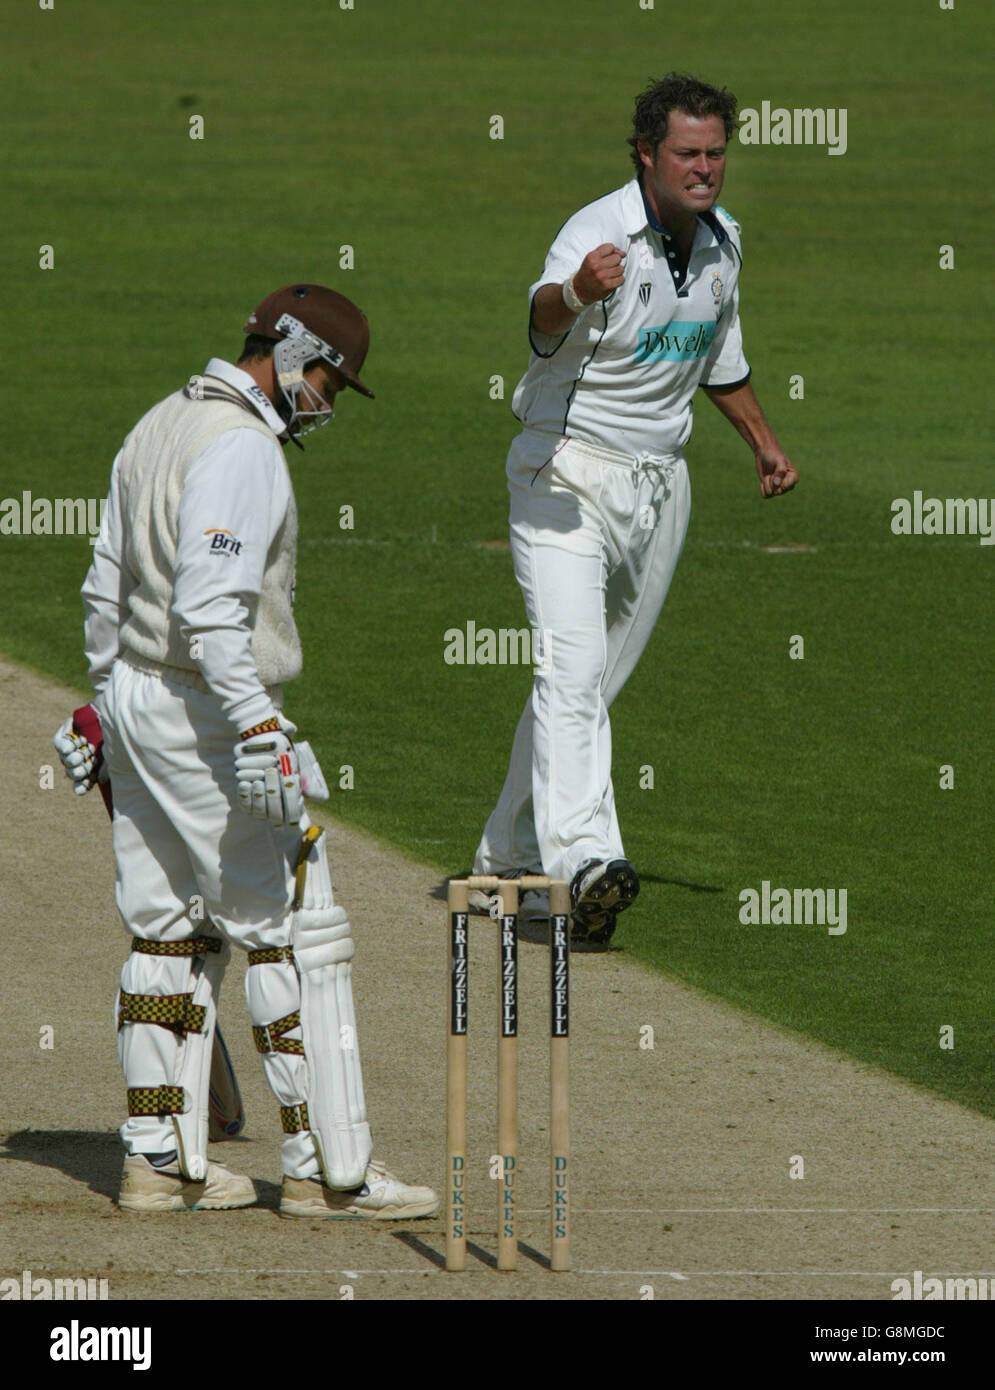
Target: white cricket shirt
624, 375
215, 561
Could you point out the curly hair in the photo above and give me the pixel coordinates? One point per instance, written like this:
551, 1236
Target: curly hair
677, 92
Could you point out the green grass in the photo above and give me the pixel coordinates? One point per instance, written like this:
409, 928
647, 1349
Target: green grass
370, 128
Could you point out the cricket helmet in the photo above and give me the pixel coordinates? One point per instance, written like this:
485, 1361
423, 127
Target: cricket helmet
309, 322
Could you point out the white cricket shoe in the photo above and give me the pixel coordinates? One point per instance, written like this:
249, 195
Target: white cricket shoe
381, 1198
146, 1188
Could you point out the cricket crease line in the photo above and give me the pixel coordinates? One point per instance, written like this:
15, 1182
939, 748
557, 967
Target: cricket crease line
626, 1273
345, 1273
786, 1273
768, 1211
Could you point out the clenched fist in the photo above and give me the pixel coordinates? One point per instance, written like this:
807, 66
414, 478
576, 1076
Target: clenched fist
601, 271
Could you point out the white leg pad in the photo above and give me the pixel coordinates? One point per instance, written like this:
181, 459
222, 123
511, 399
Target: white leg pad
323, 949
161, 1062
194, 1070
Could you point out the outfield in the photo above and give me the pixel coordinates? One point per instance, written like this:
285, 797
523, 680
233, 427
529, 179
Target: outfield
823, 772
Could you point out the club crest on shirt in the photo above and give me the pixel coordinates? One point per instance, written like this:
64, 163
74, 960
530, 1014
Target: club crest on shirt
644, 291
223, 541
717, 289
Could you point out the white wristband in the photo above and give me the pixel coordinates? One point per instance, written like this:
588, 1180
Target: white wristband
571, 298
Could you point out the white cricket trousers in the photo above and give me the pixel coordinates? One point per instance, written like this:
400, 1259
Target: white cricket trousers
191, 863
595, 538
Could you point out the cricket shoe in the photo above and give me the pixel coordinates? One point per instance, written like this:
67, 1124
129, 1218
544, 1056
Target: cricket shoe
381, 1198
533, 903
599, 891
147, 1188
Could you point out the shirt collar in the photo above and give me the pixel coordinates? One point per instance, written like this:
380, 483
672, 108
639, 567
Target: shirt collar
639, 214
249, 389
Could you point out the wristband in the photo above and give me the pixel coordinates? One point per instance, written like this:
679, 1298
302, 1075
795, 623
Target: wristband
268, 726
571, 298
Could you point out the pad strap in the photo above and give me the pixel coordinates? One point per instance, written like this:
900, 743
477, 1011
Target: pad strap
155, 1100
270, 1037
193, 946
271, 955
294, 1118
177, 1012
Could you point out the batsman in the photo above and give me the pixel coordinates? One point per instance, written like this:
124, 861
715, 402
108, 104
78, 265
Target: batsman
190, 638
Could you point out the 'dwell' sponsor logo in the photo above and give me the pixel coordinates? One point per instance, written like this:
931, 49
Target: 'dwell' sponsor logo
678, 341
944, 516
802, 908
777, 125
223, 542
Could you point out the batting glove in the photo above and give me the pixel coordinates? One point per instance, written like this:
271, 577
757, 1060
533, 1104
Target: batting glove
82, 760
268, 775
313, 784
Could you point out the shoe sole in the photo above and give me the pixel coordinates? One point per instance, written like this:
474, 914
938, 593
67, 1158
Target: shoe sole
412, 1212
614, 891
166, 1203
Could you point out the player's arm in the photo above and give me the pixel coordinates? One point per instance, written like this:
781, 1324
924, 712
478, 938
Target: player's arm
237, 493
726, 382
556, 304
79, 739
105, 590
738, 403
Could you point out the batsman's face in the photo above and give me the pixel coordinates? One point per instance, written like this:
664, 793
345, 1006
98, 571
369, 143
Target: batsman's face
683, 176
326, 381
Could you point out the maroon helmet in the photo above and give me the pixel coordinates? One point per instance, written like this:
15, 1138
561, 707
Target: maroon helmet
339, 326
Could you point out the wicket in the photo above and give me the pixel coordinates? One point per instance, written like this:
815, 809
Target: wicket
507, 1068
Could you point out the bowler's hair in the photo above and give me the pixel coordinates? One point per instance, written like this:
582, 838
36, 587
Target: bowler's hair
677, 92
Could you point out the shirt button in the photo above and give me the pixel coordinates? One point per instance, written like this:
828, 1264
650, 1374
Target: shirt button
672, 255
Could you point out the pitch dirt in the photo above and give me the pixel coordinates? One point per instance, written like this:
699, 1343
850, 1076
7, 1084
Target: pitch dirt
681, 1150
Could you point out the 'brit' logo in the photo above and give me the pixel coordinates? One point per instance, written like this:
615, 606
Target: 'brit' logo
223, 542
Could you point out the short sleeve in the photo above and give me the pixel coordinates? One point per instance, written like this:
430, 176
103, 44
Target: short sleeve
572, 243
726, 364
